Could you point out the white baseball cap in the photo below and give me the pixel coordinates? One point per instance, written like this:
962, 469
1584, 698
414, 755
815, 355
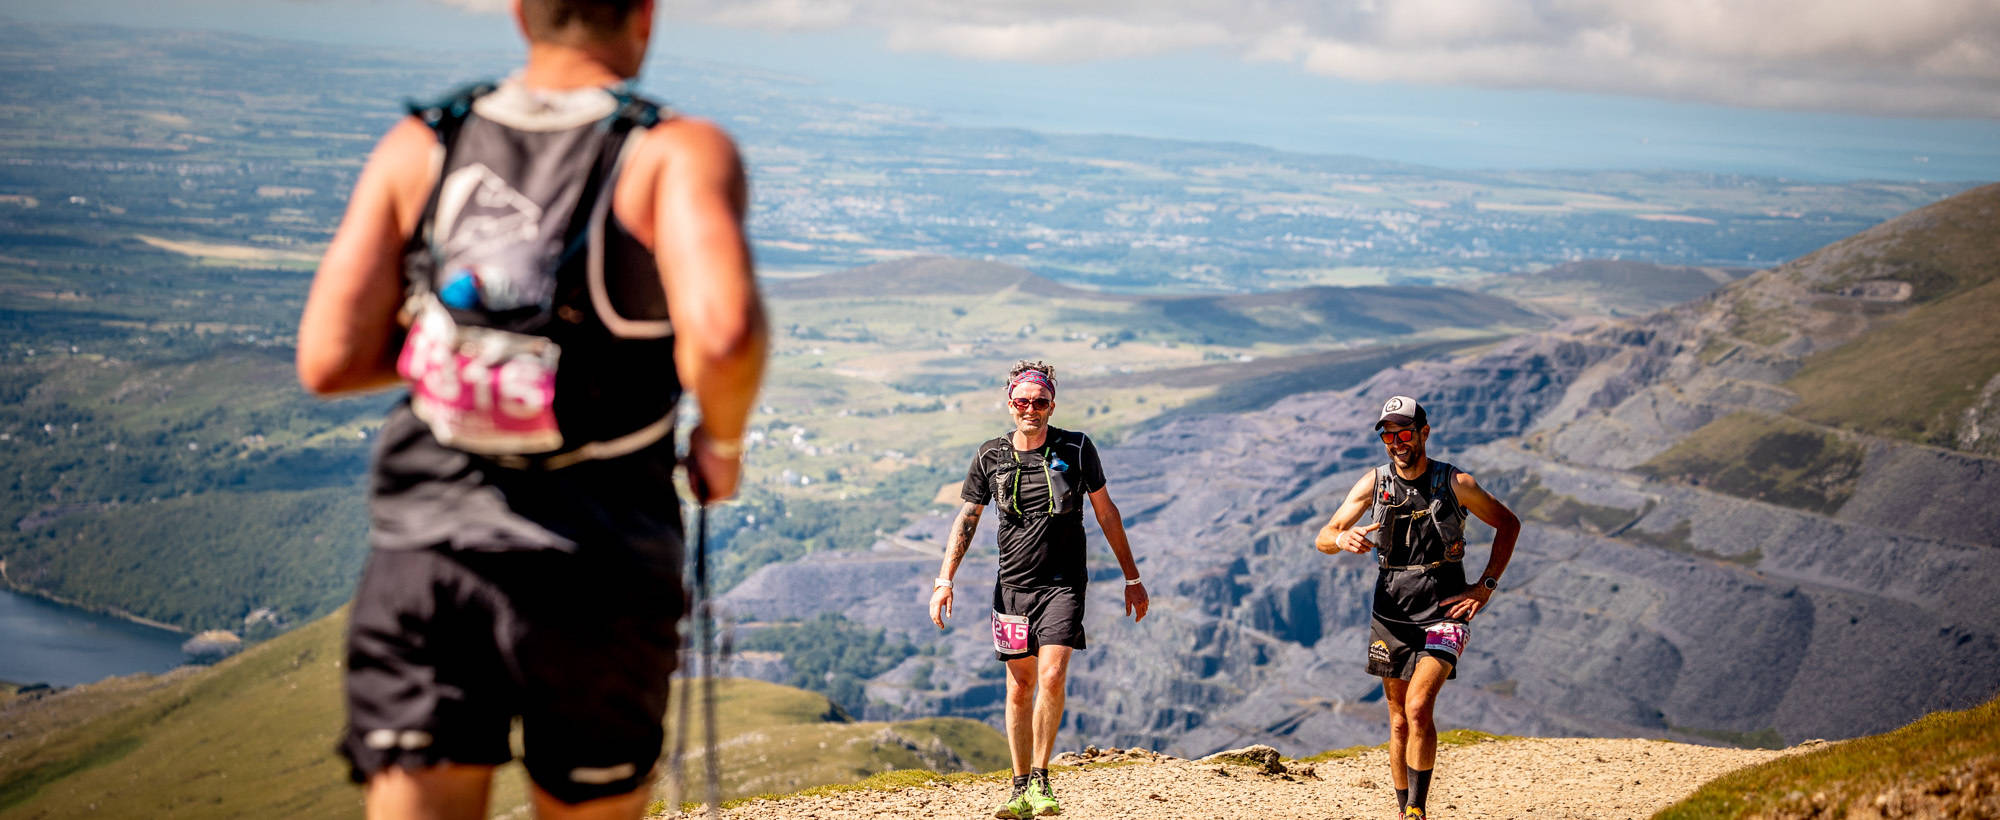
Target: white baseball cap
1402, 410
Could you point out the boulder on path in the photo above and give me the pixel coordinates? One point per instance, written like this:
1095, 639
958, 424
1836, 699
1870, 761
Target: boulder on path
1264, 758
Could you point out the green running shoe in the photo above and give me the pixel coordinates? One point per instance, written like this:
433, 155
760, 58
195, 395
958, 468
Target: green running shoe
1041, 799
1016, 808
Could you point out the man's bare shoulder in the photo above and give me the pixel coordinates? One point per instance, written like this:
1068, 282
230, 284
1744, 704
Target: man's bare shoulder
403, 162
406, 147
683, 140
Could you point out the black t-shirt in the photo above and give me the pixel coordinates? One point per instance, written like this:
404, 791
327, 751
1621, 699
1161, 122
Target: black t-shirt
1040, 497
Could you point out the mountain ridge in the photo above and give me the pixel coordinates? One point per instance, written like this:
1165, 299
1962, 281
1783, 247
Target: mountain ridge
1639, 603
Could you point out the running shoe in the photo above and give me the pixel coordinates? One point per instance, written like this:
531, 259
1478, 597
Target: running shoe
1016, 807
1413, 813
1041, 799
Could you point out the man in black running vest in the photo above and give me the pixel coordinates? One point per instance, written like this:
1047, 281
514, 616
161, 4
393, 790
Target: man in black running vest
545, 262
1423, 604
1038, 476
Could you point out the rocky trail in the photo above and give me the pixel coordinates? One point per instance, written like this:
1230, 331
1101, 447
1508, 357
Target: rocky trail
1540, 778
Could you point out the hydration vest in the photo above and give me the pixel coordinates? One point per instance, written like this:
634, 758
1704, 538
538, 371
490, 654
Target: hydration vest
1418, 534
538, 327
1062, 477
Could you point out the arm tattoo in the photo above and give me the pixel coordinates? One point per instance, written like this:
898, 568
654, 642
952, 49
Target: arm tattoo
961, 534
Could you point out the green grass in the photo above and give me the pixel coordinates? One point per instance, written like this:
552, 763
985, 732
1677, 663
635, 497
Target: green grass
1766, 458
1852, 771
1912, 378
252, 736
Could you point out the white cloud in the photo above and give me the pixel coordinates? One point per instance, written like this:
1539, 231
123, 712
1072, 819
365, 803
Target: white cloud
1928, 57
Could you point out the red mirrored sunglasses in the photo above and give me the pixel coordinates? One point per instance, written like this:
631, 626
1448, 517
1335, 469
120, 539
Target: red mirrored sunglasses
1035, 403
1405, 436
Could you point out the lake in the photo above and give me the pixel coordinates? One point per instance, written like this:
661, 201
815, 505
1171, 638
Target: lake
45, 642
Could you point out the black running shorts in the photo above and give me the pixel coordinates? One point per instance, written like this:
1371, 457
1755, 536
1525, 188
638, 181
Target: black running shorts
1025, 619
1393, 648
446, 648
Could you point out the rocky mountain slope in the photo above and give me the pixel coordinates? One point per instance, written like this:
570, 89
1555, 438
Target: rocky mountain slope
1760, 517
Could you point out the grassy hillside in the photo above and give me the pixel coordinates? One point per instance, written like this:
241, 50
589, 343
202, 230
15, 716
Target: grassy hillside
1941, 250
1921, 290
1946, 764
1768, 458
253, 737
1912, 378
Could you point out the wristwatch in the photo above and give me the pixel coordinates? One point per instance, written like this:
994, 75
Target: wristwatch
1490, 583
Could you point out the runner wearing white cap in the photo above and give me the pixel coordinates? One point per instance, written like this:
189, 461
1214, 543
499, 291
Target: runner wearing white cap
1422, 600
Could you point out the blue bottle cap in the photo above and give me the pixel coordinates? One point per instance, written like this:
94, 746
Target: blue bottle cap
460, 291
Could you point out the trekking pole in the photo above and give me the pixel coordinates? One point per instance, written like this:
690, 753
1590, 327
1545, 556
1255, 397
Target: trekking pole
713, 793
677, 759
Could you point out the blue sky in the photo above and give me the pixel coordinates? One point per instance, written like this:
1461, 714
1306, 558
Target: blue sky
1811, 89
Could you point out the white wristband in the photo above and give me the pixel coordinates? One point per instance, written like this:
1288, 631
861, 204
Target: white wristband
1131, 582
723, 448
941, 582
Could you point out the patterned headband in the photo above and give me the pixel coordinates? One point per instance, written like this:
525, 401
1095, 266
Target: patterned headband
1035, 376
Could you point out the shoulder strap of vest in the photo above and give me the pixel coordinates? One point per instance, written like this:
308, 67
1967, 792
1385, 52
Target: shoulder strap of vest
1381, 490
592, 204
633, 110
445, 116
1443, 486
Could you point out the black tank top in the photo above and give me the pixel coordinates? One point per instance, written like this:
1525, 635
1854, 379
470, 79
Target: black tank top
1422, 524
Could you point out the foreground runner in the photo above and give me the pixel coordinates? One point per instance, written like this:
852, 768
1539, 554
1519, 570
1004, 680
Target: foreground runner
1038, 476
1422, 601
571, 255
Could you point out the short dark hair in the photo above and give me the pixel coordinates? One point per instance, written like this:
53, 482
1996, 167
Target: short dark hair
556, 19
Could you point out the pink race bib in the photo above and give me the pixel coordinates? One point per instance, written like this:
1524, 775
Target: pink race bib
1010, 634
1446, 637
481, 390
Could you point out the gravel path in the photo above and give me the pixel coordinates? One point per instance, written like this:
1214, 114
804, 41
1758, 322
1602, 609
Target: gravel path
1541, 778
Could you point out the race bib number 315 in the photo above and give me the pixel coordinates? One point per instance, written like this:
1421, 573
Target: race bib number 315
1010, 634
481, 390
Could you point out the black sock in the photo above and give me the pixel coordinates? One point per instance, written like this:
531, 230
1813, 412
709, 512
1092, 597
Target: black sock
1402, 799
1420, 786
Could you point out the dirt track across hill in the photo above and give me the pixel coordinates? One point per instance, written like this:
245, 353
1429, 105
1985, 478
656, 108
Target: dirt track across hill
1544, 778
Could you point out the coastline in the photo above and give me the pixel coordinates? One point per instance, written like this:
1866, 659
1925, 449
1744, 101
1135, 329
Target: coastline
112, 612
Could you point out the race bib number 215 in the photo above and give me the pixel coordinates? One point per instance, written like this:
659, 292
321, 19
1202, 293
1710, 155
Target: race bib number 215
1010, 634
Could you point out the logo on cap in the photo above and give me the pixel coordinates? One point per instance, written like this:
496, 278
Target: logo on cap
1395, 404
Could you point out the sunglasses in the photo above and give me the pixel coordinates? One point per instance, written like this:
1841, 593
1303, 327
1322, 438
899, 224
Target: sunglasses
1028, 404
1404, 436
